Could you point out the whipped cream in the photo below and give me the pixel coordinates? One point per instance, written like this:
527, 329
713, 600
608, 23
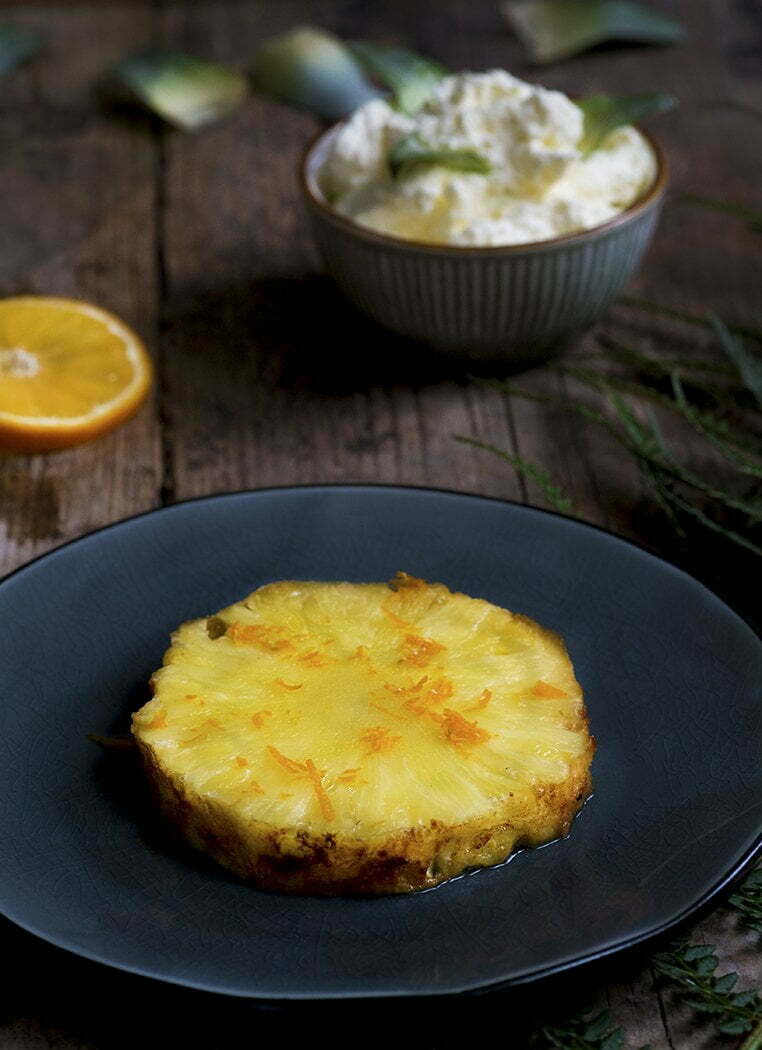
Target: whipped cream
539, 185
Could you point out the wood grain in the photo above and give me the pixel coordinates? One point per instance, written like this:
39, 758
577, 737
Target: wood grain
77, 208
267, 377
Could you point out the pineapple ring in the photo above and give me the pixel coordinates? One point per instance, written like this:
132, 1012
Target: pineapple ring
341, 738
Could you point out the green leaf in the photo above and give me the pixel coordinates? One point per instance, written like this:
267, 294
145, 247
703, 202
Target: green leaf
555, 29
412, 152
752, 216
534, 473
597, 1027
185, 91
701, 1006
314, 70
411, 78
745, 998
605, 113
749, 367
735, 1027
698, 951
17, 44
726, 983
613, 1041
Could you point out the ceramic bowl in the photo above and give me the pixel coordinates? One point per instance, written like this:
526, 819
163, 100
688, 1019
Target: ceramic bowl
514, 301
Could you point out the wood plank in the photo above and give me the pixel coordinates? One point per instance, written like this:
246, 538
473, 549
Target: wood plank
271, 377
77, 209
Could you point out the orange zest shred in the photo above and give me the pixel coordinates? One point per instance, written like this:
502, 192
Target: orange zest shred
255, 787
306, 770
313, 659
158, 721
419, 651
462, 733
547, 691
348, 776
264, 636
191, 696
289, 764
403, 581
481, 701
240, 761
378, 738
396, 620
384, 710
442, 689
404, 690
287, 685
258, 718
437, 693
320, 793
361, 652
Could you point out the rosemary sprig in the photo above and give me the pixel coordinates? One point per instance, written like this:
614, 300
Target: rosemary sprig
752, 216
691, 967
749, 368
682, 494
639, 303
541, 478
711, 426
663, 366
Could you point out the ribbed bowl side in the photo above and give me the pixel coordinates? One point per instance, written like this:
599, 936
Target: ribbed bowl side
484, 302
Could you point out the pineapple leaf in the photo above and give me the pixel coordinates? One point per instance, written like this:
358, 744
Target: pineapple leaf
313, 70
185, 91
411, 78
556, 29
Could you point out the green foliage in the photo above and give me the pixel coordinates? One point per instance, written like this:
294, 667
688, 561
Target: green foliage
691, 968
534, 473
748, 900
751, 216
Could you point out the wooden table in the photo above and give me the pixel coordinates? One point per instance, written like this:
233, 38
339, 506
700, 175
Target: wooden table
265, 376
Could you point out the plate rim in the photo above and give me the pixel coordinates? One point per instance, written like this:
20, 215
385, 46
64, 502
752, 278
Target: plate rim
702, 906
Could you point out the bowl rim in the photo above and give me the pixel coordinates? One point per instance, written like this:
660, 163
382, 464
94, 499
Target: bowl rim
316, 199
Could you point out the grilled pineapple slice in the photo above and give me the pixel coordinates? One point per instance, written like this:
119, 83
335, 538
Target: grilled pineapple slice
342, 738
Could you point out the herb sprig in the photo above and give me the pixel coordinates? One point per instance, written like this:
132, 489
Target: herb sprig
411, 152
582, 1032
748, 900
691, 968
605, 113
719, 401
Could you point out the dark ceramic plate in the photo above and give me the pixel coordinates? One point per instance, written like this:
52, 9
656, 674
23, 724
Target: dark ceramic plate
670, 675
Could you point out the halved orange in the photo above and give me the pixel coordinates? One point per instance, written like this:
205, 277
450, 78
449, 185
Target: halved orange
69, 372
